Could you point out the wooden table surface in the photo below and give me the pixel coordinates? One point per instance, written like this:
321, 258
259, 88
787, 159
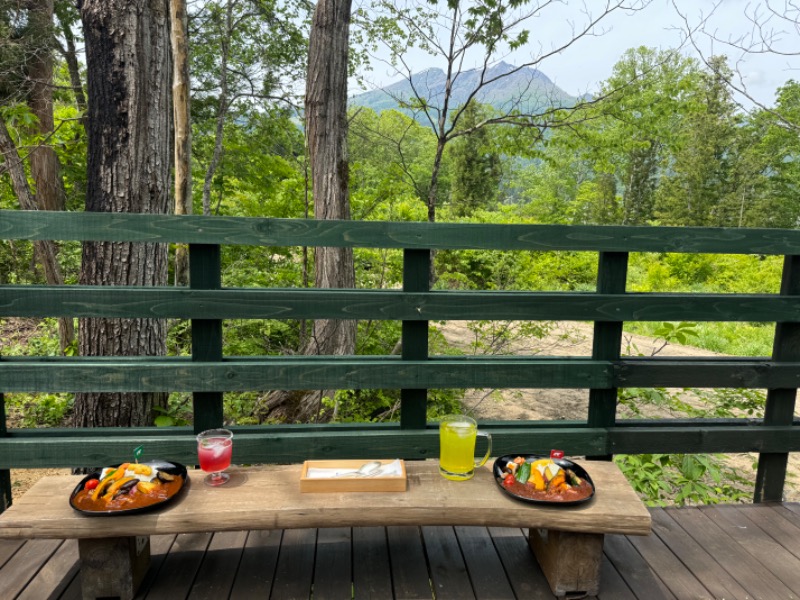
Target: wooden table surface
269, 497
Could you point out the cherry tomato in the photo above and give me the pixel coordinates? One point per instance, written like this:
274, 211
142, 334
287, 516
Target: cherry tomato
91, 484
509, 479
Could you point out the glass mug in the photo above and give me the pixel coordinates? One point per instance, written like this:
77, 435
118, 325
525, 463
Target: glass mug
457, 437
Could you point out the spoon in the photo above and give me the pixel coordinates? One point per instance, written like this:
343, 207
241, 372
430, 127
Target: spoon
364, 470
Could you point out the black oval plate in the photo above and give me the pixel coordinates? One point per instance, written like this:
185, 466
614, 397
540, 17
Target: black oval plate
170, 467
499, 475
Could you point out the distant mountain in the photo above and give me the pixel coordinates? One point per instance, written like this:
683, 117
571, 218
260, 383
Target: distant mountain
530, 88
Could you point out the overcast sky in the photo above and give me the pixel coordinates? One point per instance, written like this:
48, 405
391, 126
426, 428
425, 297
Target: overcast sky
590, 60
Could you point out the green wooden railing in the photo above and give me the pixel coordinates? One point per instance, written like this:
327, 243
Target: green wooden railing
208, 374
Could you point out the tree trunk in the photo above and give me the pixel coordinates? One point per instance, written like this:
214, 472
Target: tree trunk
128, 66
45, 250
182, 128
44, 162
222, 111
73, 67
326, 125
326, 131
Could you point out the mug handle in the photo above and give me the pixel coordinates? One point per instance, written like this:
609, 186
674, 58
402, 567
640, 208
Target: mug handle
488, 437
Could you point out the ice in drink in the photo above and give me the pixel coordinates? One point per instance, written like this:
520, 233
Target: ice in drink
215, 454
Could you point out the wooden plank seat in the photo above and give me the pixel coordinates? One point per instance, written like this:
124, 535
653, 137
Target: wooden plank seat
114, 551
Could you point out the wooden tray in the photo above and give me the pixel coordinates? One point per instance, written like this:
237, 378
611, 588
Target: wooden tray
379, 483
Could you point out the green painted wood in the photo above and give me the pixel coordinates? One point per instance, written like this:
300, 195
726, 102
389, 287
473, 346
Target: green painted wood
612, 276
283, 447
145, 374
5, 474
205, 273
292, 373
197, 229
780, 406
416, 279
706, 373
419, 306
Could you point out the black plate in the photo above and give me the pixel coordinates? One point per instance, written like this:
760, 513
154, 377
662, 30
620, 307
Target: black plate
170, 467
499, 475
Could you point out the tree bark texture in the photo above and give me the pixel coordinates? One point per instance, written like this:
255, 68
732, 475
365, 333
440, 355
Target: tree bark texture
128, 66
182, 127
44, 162
326, 127
45, 250
326, 138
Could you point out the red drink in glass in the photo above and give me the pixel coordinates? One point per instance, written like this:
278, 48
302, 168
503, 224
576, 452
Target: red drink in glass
214, 450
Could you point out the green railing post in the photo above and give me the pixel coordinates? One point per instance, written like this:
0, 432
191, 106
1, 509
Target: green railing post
205, 272
5, 474
780, 406
416, 278
612, 275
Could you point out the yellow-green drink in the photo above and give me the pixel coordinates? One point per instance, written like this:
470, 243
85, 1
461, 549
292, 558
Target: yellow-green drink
457, 435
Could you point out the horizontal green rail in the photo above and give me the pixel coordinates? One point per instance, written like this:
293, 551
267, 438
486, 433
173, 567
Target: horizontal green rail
134, 302
142, 374
195, 229
208, 373
284, 444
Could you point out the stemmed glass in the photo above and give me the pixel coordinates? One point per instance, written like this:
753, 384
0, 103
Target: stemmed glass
214, 450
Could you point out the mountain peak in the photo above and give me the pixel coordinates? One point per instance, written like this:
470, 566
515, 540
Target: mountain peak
509, 87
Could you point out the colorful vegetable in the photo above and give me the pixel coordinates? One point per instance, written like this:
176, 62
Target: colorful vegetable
524, 472
91, 484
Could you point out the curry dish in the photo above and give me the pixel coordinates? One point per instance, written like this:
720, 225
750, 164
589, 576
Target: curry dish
127, 487
545, 480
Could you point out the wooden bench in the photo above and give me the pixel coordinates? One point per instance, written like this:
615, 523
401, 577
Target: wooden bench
115, 551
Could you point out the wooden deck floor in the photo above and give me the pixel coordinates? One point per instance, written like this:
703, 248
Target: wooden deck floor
711, 552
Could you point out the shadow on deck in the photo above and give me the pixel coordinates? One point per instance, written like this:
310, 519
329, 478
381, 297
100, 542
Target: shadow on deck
731, 551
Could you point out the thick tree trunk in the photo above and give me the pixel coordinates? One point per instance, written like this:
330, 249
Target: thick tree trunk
326, 125
45, 250
182, 128
128, 65
326, 131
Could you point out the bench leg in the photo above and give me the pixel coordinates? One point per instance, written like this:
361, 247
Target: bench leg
569, 561
113, 567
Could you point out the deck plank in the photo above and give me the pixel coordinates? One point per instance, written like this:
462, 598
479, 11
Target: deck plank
295, 570
179, 567
771, 520
524, 573
612, 585
696, 559
448, 570
334, 566
751, 574
489, 580
410, 577
159, 548
257, 568
56, 575
8, 548
218, 569
372, 572
24, 565
760, 545
634, 570
669, 569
